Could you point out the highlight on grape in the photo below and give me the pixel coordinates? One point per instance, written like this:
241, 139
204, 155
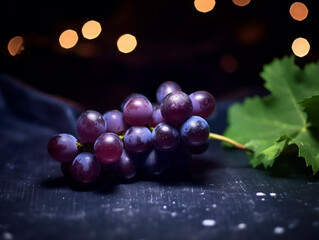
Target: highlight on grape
139, 137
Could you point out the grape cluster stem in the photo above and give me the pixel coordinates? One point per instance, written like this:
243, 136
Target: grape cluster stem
216, 136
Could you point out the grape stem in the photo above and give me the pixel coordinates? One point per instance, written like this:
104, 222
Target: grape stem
216, 136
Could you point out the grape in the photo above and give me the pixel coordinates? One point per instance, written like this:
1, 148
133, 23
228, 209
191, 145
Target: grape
199, 149
165, 137
114, 121
108, 148
195, 131
126, 166
156, 116
176, 107
166, 88
90, 126
138, 139
156, 162
125, 100
138, 111
62, 147
85, 168
204, 103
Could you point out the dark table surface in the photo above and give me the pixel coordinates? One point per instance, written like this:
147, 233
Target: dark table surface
222, 198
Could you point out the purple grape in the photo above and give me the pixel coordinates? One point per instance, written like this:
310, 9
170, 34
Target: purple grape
165, 137
108, 148
126, 166
62, 147
204, 103
138, 139
176, 107
138, 111
195, 131
166, 88
199, 149
156, 162
85, 168
90, 126
125, 100
114, 121
156, 116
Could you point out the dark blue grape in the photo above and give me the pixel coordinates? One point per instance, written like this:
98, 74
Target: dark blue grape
126, 166
165, 137
138, 139
85, 168
195, 131
156, 162
114, 121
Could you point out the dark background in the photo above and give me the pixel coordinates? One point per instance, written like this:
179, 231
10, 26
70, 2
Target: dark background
175, 42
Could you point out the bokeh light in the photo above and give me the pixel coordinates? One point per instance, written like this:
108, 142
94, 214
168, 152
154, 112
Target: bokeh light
91, 29
298, 11
16, 45
126, 43
300, 47
204, 6
228, 63
68, 39
241, 3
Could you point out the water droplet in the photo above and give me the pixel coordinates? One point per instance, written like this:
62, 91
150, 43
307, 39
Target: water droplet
164, 207
272, 194
260, 194
263, 199
7, 236
214, 205
173, 214
208, 222
241, 226
279, 230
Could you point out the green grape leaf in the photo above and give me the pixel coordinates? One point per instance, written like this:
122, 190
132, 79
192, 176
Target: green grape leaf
267, 125
311, 107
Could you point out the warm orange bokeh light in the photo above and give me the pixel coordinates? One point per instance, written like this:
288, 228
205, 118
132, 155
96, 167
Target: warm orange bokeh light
68, 38
204, 6
300, 47
15, 45
241, 3
91, 29
298, 11
126, 43
228, 63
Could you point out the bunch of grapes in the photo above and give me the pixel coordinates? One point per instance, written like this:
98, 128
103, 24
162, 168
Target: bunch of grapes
140, 136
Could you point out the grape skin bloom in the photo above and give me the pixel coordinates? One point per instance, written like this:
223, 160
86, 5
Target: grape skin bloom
62, 147
165, 137
90, 125
195, 131
85, 168
138, 139
204, 103
176, 107
114, 121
